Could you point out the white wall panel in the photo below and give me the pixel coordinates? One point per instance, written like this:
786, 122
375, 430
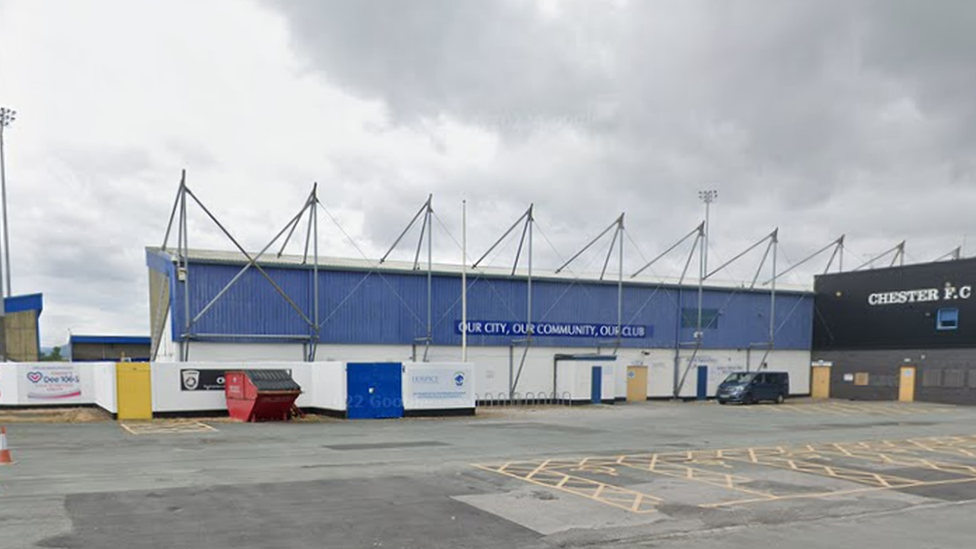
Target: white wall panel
105, 386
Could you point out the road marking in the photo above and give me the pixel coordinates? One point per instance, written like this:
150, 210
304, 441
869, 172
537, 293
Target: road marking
848, 408
166, 428
827, 495
718, 468
623, 498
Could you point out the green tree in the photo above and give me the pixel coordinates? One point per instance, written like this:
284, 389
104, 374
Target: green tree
53, 356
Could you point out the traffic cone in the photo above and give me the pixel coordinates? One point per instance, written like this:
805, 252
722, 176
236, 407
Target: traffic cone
5, 457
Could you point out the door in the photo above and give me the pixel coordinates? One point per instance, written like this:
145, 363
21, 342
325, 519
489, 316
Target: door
134, 390
374, 390
906, 384
820, 382
760, 387
596, 385
702, 392
636, 383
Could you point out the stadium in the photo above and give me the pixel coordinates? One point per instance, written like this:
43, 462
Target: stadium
241, 306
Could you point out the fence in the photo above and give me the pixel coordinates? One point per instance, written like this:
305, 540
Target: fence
528, 398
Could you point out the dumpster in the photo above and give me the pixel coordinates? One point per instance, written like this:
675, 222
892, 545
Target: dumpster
260, 395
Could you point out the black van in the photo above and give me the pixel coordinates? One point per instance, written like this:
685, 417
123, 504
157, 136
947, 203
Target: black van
751, 387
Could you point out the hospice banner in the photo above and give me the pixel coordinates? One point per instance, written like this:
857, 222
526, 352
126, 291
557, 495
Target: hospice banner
553, 329
438, 387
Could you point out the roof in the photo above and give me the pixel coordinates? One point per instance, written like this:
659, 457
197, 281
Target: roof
272, 380
109, 340
219, 257
21, 303
954, 264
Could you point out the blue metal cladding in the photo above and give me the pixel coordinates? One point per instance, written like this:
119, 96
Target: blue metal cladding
21, 303
109, 340
360, 307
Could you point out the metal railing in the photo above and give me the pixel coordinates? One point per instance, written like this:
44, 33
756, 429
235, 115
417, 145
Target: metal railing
528, 398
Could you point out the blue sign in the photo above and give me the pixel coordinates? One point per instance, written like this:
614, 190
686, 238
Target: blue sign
553, 329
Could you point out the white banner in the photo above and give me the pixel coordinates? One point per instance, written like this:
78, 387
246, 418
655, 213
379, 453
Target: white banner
55, 383
438, 386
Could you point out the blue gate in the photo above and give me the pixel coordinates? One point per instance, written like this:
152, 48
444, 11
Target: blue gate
596, 386
374, 390
702, 383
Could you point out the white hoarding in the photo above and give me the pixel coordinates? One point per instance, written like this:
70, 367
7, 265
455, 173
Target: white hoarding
438, 386
54, 383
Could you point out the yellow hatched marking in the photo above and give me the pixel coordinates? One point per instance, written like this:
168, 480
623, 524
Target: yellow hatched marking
800, 408
537, 469
897, 459
856, 409
167, 428
834, 408
687, 465
538, 474
777, 457
674, 466
824, 495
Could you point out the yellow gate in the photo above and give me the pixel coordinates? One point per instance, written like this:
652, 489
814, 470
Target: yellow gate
134, 390
636, 383
820, 382
906, 384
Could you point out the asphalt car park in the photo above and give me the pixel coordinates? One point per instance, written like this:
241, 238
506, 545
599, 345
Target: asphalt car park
656, 474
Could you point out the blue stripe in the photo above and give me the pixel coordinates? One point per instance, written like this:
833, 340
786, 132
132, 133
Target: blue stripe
110, 340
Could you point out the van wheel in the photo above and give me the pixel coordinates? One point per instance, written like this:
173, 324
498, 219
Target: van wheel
780, 398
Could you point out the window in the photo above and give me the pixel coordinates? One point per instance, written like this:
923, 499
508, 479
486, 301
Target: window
879, 380
954, 378
947, 319
932, 378
689, 318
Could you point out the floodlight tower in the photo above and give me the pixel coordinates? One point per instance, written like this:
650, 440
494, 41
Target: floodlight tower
707, 197
7, 116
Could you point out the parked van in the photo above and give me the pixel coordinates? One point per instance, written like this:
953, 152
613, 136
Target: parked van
752, 387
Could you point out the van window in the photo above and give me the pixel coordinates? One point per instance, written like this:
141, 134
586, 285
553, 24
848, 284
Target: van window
740, 377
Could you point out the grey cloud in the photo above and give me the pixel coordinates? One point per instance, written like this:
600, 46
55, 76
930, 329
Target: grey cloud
820, 117
494, 61
784, 106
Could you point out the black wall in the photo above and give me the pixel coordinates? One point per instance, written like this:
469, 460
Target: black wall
844, 318
942, 375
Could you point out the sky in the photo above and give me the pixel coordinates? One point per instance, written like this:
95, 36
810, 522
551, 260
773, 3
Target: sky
820, 118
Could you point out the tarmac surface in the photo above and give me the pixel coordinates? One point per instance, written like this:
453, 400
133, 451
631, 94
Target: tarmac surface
805, 474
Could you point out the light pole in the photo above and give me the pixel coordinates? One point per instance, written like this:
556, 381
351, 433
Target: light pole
6, 117
707, 197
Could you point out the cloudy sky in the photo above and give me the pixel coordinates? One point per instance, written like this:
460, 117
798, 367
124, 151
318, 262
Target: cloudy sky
821, 118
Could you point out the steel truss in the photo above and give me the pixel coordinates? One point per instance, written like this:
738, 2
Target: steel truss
772, 243
179, 216
526, 221
426, 211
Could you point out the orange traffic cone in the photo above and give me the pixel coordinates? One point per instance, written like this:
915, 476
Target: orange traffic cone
5, 457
